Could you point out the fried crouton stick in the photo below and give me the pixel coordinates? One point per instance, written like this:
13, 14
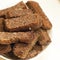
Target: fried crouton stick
34, 6
21, 50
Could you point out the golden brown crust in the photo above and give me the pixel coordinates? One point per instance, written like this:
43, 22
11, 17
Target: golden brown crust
34, 6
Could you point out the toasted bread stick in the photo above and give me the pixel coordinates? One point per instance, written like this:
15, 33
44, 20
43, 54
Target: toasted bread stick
21, 50
17, 13
18, 6
23, 23
14, 37
34, 6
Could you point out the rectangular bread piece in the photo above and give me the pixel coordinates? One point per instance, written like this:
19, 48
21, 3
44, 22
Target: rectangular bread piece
44, 37
17, 13
1, 24
5, 49
21, 50
18, 6
34, 6
23, 23
14, 37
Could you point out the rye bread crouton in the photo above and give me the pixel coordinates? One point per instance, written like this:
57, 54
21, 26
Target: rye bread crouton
18, 6
17, 13
35, 7
21, 50
14, 37
23, 23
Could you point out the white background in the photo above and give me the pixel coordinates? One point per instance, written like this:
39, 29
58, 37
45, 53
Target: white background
52, 10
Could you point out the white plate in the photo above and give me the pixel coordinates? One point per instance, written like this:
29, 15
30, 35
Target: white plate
52, 10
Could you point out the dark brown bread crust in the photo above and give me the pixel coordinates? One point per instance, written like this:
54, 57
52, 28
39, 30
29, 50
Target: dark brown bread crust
44, 38
5, 49
18, 6
21, 50
34, 6
14, 37
17, 13
23, 23
1, 24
